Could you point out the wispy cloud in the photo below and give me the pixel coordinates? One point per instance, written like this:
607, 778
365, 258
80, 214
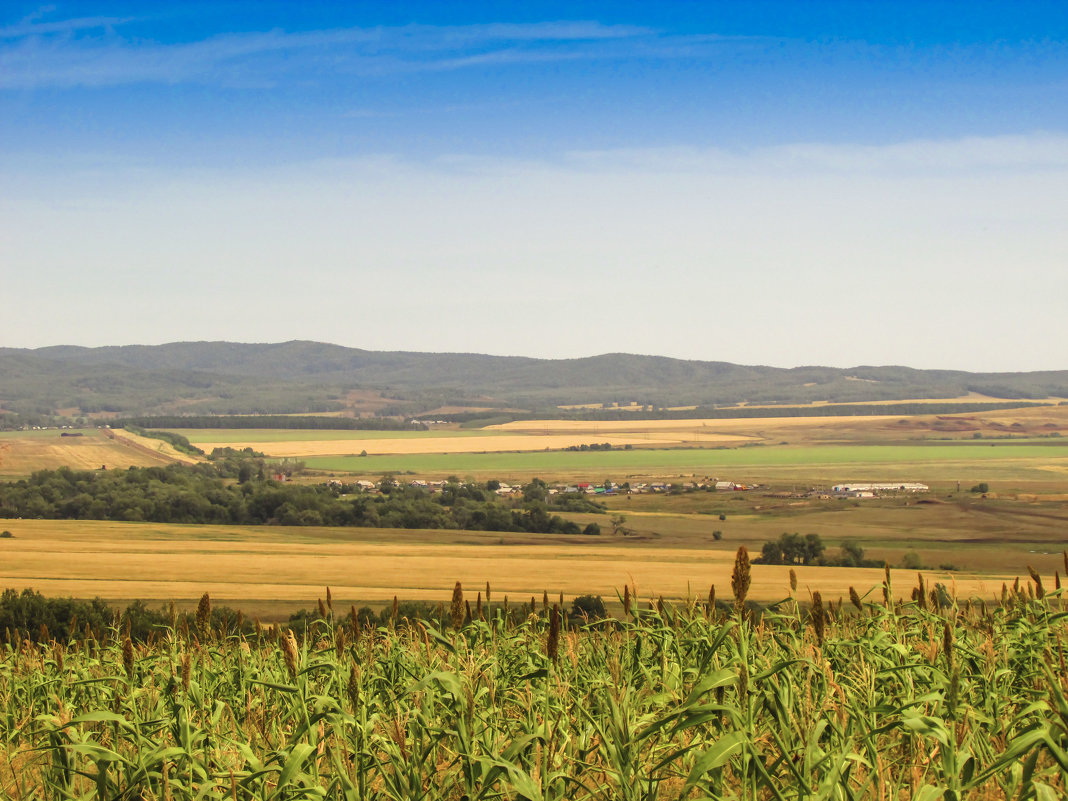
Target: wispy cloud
1034, 151
449, 108
93, 52
31, 27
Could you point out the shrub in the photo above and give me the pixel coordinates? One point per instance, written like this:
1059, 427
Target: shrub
982, 487
588, 606
32, 614
792, 549
6, 535
912, 561
717, 535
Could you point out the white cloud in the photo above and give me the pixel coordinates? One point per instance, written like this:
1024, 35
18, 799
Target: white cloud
932, 254
1030, 151
31, 27
50, 54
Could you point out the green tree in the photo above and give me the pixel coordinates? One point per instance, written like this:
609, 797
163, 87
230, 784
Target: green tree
536, 490
852, 555
772, 554
588, 607
912, 561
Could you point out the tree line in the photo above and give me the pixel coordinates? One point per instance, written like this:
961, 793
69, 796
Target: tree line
236, 490
773, 409
29, 615
283, 421
794, 549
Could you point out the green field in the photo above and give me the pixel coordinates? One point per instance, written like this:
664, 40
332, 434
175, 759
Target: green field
829, 462
242, 435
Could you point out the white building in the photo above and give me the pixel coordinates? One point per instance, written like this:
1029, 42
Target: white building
885, 487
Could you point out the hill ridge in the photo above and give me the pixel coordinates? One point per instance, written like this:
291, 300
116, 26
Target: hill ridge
215, 376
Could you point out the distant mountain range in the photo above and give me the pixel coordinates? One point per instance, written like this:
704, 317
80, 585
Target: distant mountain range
300, 376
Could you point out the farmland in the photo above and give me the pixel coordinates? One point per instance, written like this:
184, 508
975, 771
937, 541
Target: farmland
935, 462
1019, 446
676, 700
22, 452
455, 441
936, 698
279, 568
695, 426
271, 570
210, 437
275, 569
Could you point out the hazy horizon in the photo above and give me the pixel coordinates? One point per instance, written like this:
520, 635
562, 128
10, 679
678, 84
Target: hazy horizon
756, 183
591, 355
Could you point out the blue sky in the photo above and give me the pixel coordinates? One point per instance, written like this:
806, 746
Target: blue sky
774, 182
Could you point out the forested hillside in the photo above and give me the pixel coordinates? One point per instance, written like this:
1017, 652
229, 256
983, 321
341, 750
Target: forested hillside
295, 377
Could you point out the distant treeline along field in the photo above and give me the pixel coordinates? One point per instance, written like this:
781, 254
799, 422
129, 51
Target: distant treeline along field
207, 493
282, 421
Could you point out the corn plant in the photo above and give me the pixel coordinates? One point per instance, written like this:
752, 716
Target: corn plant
924, 700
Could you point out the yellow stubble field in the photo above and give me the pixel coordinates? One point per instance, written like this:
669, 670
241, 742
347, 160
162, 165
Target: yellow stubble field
266, 570
529, 436
1034, 420
500, 443
23, 452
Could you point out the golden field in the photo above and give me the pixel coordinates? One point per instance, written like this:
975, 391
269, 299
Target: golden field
540, 435
22, 452
273, 570
987, 536
672, 553
453, 444
693, 426
1036, 420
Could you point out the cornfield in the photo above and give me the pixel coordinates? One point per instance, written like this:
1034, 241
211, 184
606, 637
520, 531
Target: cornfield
939, 698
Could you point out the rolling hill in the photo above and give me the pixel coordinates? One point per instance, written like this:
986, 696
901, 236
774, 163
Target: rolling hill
302, 376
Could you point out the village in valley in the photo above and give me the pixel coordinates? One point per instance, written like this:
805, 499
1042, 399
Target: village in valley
856, 490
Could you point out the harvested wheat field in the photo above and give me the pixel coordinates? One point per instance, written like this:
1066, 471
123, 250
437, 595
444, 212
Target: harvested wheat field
687, 425
1037, 421
704, 432
971, 397
452, 444
23, 452
528, 436
291, 566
